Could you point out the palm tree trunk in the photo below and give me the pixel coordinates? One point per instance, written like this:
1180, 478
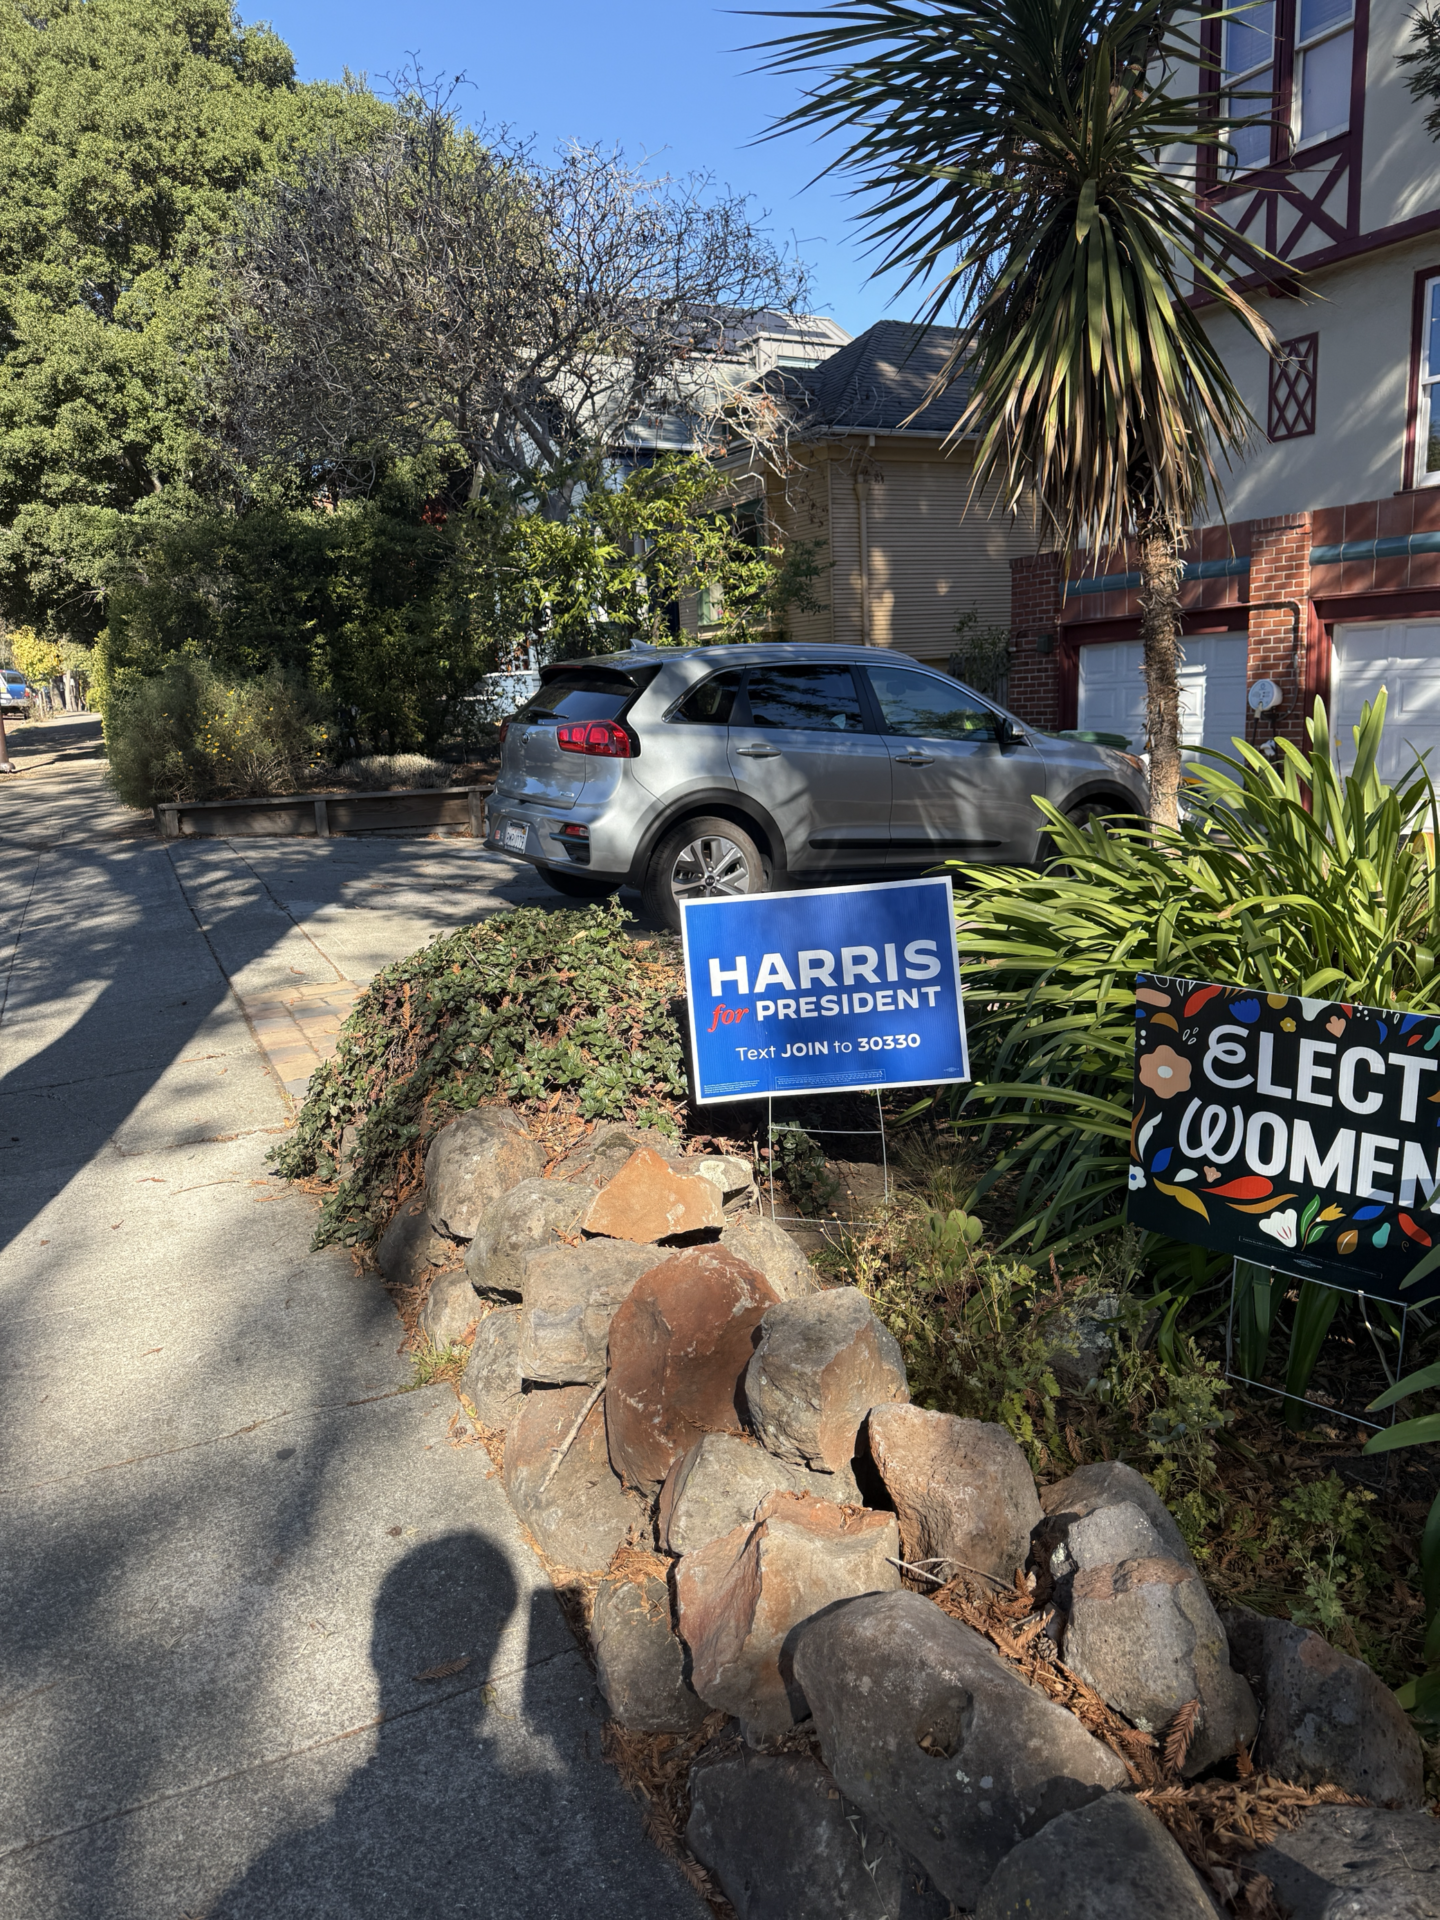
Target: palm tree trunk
1160, 567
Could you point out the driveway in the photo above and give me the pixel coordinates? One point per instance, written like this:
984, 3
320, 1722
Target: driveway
232, 1538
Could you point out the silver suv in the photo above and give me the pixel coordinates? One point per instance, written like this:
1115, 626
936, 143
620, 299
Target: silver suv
721, 770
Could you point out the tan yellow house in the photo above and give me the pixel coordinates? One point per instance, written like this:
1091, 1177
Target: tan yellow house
905, 549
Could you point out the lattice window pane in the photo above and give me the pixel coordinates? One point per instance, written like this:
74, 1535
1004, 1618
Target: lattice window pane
1292, 388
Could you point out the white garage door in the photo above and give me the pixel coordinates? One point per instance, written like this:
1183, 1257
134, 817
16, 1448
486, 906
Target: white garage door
1405, 660
1212, 690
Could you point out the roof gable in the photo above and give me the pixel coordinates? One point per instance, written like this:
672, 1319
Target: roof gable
876, 382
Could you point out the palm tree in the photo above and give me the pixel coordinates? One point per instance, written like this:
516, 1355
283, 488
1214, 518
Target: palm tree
1035, 165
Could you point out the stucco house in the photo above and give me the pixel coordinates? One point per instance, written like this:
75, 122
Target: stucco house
1327, 578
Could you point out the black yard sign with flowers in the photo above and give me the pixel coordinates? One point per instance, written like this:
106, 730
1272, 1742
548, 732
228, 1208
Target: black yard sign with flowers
1300, 1134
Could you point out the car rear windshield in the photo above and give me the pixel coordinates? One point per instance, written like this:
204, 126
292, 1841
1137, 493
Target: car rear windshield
579, 696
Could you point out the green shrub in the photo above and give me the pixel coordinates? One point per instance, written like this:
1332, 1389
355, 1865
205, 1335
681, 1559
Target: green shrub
190, 734
528, 1006
1336, 899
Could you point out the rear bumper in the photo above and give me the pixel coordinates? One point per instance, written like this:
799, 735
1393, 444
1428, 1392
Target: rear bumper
529, 833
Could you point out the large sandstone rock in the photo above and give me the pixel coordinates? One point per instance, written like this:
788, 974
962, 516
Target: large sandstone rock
1144, 1634
491, 1381
962, 1488
820, 1365
639, 1661
410, 1246
678, 1346
1109, 1483
720, 1482
784, 1845
650, 1200
451, 1310
583, 1514
1325, 1716
1356, 1863
926, 1730
770, 1250
531, 1215
1112, 1860
570, 1298
740, 1597
474, 1162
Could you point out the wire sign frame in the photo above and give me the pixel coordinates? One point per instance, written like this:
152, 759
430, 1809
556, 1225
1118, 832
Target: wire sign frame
1233, 1372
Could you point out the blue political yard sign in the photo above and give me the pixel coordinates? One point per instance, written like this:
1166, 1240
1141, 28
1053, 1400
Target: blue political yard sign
836, 988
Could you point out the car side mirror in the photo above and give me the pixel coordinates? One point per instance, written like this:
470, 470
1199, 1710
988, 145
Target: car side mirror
1007, 733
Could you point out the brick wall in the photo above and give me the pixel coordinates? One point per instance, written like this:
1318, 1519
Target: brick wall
1279, 551
1280, 570
1035, 581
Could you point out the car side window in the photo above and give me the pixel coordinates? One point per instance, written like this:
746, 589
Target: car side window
917, 704
710, 704
815, 699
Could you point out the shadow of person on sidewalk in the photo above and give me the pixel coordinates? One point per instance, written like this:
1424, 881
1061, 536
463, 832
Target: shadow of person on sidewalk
401, 1837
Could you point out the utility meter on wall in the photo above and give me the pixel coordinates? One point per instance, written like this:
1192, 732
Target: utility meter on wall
1263, 696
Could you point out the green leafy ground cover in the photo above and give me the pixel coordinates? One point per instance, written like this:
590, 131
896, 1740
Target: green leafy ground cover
537, 1008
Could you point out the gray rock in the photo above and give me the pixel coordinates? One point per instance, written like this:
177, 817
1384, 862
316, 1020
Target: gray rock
491, 1380
451, 1310
963, 1490
1144, 1634
640, 1662
570, 1298
1112, 1860
530, 1215
784, 1845
819, 1366
581, 1514
770, 1250
1098, 1539
729, 1173
1325, 1716
598, 1159
1106, 1484
998, 1761
720, 1482
474, 1162
1079, 1341
1356, 1863
410, 1246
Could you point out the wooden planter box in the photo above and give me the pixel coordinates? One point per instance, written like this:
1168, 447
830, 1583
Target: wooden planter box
326, 813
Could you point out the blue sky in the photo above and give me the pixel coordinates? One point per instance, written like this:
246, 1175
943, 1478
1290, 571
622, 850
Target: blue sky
663, 80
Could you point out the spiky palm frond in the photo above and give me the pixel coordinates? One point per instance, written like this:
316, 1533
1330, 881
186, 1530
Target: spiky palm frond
1035, 163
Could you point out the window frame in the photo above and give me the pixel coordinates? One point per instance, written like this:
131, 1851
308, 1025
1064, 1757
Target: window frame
1227, 83
1421, 405
1299, 139
1304, 352
1286, 91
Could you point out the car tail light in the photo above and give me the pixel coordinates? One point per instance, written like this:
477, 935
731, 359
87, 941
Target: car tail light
504, 729
600, 737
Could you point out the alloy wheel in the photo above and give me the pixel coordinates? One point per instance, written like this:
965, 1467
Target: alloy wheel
709, 865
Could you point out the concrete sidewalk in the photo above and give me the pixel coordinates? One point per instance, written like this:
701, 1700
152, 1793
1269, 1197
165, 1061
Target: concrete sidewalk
232, 1540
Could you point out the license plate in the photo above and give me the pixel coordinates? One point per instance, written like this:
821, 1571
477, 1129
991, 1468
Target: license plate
514, 836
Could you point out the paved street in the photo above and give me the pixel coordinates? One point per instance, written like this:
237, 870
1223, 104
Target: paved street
231, 1540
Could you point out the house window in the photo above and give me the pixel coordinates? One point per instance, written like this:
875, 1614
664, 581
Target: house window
1258, 70
1292, 388
1427, 421
1248, 67
1324, 54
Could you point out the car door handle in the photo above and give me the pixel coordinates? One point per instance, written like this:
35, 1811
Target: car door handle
759, 753
915, 759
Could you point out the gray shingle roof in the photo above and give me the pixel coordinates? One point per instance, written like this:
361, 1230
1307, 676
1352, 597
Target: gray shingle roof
877, 381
